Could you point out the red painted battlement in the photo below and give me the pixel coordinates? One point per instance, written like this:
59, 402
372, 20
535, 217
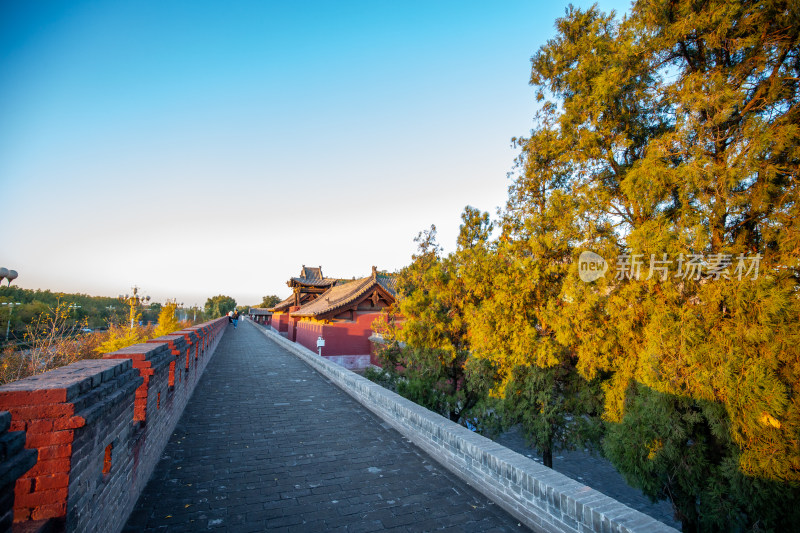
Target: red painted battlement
99, 427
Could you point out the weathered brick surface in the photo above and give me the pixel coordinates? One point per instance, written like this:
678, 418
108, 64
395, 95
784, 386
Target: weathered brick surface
542, 498
15, 461
149, 359
100, 426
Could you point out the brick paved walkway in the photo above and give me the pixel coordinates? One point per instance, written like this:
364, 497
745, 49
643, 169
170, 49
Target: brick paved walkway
266, 443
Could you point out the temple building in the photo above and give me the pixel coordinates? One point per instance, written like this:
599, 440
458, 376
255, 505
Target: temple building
306, 287
342, 314
260, 316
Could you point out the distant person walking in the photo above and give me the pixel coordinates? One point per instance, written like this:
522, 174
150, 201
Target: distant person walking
235, 319
230, 317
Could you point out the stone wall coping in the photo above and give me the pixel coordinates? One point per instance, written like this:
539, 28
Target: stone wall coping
146, 349
172, 337
75, 378
189, 334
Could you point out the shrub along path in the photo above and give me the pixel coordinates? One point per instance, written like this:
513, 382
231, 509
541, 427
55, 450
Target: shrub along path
266, 443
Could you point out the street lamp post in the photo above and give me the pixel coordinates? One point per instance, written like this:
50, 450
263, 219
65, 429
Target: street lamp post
174, 302
73, 307
10, 275
110, 309
133, 301
10, 311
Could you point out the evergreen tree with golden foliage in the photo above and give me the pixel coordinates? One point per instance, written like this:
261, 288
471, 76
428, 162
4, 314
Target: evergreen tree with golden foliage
675, 134
430, 348
167, 322
120, 336
667, 142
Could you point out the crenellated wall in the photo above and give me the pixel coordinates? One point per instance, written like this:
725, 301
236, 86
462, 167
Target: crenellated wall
100, 427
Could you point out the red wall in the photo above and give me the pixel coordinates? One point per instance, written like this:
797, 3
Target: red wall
341, 338
280, 322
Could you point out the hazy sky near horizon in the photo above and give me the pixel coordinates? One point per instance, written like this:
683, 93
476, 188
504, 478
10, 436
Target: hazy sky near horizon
196, 148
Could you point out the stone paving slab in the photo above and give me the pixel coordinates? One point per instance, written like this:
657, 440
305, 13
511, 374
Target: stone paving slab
267, 444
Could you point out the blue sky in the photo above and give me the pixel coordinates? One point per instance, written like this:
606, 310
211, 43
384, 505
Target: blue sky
197, 148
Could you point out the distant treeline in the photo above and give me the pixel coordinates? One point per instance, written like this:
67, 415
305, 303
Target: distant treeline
95, 311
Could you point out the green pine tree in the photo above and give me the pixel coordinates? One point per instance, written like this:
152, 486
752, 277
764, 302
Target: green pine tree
675, 134
429, 348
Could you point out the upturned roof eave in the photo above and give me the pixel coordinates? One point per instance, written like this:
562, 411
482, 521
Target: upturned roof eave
331, 309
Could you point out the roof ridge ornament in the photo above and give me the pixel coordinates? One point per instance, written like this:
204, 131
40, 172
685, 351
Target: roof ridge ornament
374, 272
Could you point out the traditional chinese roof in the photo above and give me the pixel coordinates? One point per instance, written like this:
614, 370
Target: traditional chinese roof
260, 311
389, 283
311, 277
283, 305
347, 294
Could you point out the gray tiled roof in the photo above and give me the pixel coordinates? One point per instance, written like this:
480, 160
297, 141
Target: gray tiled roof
389, 283
284, 304
312, 277
343, 295
311, 273
325, 282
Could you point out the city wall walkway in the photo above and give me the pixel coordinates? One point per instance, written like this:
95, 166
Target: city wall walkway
267, 443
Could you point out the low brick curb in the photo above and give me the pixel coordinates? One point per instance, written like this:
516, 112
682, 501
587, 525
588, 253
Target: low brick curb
540, 497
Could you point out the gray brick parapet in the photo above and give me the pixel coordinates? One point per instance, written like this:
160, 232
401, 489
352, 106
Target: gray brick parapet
100, 427
540, 497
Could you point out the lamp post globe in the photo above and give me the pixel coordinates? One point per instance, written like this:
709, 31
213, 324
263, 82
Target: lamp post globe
8, 274
134, 301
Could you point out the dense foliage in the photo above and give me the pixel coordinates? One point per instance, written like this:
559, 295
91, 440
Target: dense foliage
269, 301
50, 330
434, 343
167, 320
52, 339
218, 306
668, 144
91, 311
